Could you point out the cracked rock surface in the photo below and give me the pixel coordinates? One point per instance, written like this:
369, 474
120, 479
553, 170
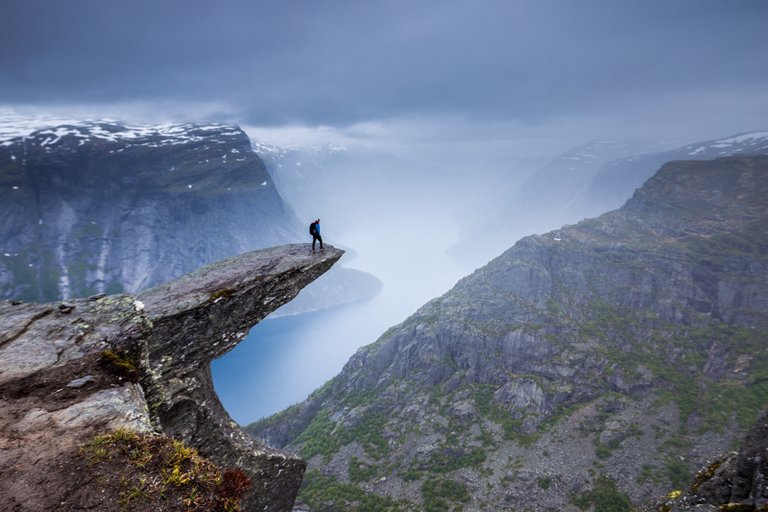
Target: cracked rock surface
141, 362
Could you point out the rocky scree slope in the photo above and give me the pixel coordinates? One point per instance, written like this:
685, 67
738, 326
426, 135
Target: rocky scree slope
596, 365
102, 207
735, 481
71, 370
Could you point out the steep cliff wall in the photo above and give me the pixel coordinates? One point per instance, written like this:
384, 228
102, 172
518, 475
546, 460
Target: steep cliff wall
100, 207
69, 371
601, 362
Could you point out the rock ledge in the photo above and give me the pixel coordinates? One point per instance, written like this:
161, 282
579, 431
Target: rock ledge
71, 370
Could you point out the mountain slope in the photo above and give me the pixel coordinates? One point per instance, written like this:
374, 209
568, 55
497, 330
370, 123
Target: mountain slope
74, 376
617, 179
598, 363
732, 481
588, 181
96, 207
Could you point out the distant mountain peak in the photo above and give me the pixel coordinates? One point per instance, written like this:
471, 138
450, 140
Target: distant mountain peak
114, 131
743, 143
105, 206
557, 373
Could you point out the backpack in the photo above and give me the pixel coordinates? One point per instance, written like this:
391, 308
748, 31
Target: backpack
312, 229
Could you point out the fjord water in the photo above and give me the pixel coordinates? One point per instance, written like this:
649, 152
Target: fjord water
284, 359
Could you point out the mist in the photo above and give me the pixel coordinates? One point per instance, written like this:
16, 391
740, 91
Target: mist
284, 359
427, 138
397, 223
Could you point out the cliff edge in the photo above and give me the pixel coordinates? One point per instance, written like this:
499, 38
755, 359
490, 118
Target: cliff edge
103, 207
72, 370
603, 362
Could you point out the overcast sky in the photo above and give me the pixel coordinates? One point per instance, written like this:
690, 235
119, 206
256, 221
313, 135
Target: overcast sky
503, 71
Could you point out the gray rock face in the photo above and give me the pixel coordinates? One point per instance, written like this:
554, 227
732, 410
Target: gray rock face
732, 481
106, 208
600, 345
142, 362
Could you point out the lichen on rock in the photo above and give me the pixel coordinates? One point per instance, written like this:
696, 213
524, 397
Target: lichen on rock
140, 363
734, 481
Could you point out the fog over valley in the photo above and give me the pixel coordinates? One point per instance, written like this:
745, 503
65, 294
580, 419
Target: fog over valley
542, 279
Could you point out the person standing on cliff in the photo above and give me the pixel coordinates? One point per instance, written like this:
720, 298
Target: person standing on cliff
314, 230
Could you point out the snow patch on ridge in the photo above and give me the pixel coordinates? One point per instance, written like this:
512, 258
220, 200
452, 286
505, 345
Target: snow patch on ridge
50, 131
750, 142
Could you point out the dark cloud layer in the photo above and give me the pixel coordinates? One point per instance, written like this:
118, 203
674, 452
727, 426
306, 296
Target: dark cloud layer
340, 62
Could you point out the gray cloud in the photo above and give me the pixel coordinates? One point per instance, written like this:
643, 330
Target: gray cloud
345, 62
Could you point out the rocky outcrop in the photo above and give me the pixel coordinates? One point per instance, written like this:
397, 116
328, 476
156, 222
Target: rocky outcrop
736, 481
73, 369
103, 207
555, 375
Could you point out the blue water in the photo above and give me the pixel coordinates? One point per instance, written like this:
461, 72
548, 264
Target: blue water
283, 360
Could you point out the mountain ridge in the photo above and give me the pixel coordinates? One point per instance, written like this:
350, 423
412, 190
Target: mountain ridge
97, 207
72, 373
588, 181
609, 331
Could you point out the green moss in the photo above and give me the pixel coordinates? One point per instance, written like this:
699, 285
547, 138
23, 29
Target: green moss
318, 438
358, 398
744, 397
360, 471
369, 433
219, 294
676, 355
706, 474
318, 491
412, 474
149, 471
441, 495
486, 438
605, 450
323, 437
123, 363
678, 473
648, 473
450, 459
602, 451
604, 497
512, 428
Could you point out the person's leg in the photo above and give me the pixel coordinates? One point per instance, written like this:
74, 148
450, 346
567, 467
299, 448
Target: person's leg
321, 241
314, 237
